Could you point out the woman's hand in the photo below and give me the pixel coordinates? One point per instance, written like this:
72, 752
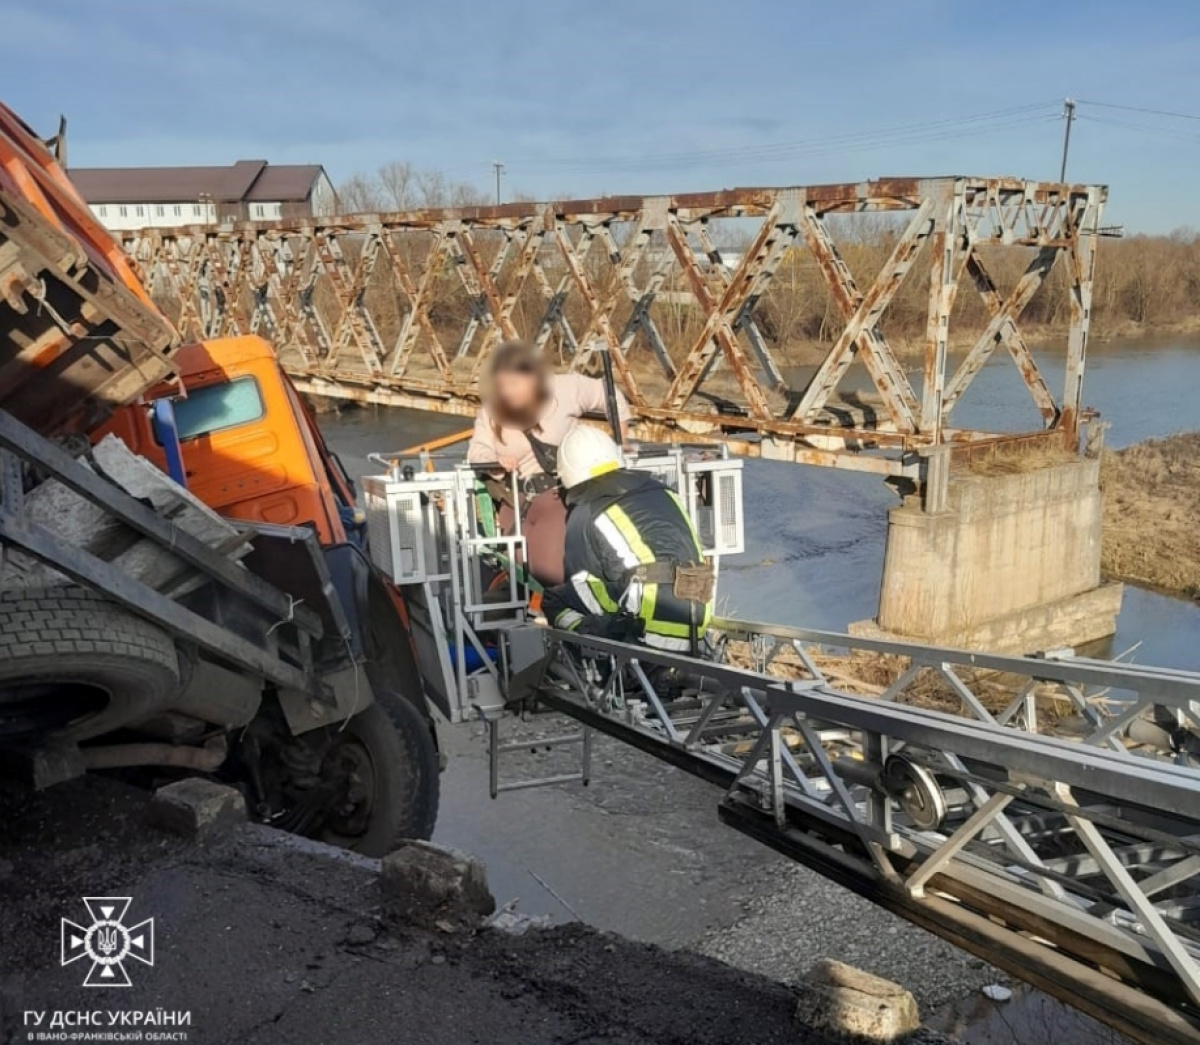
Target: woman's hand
507, 462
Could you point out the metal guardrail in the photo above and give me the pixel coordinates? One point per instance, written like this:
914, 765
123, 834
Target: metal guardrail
1074, 865
402, 309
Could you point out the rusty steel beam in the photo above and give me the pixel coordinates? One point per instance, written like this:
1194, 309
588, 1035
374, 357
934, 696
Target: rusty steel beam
405, 308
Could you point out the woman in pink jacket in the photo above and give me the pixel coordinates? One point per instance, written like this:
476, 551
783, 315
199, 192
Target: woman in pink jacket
527, 412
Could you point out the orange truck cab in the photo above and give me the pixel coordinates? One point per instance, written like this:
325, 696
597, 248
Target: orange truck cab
246, 443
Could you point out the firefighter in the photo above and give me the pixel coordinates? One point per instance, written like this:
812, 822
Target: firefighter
633, 563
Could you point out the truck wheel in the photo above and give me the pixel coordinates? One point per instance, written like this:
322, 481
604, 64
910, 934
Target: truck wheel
387, 764
67, 653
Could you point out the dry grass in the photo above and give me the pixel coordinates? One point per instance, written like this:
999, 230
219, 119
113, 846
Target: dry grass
870, 674
1017, 461
1152, 513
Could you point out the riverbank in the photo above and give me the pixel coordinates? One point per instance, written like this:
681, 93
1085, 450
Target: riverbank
1151, 507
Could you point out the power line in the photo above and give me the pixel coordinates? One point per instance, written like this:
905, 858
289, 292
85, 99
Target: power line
880, 136
1144, 128
1139, 108
779, 150
815, 149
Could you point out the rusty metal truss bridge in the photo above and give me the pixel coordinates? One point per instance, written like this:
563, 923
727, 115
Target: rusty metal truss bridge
403, 309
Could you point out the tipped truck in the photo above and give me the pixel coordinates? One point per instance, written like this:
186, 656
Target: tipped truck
184, 586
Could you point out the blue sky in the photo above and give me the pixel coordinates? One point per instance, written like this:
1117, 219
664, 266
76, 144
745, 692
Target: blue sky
622, 96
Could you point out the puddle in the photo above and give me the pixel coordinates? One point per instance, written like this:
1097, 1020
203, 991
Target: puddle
1028, 1018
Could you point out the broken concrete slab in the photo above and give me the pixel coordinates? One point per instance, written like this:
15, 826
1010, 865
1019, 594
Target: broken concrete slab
196, 808
433, 886
840, 999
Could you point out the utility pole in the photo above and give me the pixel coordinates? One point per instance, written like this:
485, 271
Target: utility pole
1069, 116
498, 167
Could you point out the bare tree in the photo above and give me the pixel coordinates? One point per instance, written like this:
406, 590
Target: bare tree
399, 186
396, 181
464, 195
357, 194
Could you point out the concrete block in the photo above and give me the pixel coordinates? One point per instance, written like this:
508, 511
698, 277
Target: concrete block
1005, 549
434, 886
843, 1001
196, 808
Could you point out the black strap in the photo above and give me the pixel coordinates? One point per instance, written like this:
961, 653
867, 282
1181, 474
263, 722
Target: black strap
537, 484
545, 454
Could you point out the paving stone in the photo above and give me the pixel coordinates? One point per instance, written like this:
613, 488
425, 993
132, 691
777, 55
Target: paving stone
197, 808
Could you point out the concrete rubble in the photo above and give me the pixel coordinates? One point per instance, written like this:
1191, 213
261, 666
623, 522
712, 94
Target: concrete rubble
841, 999
433, 886
266, 939
88, 526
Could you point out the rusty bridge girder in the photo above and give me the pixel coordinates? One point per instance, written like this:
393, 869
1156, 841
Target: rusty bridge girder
403, 309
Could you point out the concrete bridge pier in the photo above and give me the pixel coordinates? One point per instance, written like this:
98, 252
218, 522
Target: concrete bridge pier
1001, 562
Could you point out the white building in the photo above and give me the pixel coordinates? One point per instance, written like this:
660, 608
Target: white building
165, 197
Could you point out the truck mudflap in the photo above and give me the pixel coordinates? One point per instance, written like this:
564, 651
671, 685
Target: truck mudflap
79, 335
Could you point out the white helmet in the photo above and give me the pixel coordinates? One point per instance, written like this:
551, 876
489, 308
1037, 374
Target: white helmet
585, 453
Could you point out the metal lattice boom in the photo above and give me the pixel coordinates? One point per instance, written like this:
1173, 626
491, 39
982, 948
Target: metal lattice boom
403, 309
1071, 863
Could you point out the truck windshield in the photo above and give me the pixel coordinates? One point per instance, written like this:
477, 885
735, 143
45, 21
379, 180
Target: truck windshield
216, 407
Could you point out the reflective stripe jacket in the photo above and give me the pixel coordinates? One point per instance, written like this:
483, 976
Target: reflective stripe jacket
619, 521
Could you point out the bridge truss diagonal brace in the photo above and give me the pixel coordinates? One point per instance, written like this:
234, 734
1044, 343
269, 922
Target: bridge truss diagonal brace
863, 312
184, 261
416, 319
354, 324
1002, 330
528, 242
722, 314
272, 278
599, 310
1152, 921
640, 318
267, 284
556, 295
745, 317
221, 291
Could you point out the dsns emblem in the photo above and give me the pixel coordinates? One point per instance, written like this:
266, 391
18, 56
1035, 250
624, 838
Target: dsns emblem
108, 942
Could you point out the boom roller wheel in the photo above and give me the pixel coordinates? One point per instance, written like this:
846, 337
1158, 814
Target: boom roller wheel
917, 791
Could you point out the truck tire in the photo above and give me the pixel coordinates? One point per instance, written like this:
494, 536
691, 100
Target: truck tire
391, 749
68, 655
